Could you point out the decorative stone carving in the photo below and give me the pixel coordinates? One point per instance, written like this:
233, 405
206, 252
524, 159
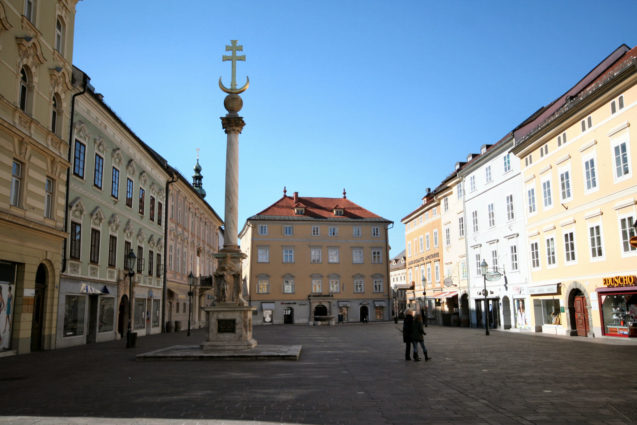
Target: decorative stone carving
128, 230
77, 208
20, 148
99, 145
60, 82
30, 54
159, 243
113, 223
4, 22
74, 268
143, 178
140, 236
79, 130
130, 168
93, 271
117, 156
97, 217
153, 188
151, 240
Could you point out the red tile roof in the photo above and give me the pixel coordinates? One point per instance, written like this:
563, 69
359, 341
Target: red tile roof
319, 208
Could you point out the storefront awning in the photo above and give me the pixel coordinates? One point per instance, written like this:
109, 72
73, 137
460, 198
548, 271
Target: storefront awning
89, 289
267, 306
447, 294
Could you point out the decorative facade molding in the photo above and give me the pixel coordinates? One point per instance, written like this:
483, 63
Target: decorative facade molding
80, 131
30, 54
97, 217
77, 208
128, 230
143, 178
130, 168
113, 223
60, 81
99, 145
116, 156
140, 236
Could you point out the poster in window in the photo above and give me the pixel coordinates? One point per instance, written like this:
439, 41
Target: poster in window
6, 314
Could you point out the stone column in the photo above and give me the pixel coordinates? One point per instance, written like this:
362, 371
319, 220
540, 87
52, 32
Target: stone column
232, 124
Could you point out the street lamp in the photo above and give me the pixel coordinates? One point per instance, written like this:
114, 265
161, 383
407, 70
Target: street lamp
130, 266
483, 268
424, 294
191, 283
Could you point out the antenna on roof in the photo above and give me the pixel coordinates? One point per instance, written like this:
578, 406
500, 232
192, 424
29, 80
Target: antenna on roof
344, 194
285, 191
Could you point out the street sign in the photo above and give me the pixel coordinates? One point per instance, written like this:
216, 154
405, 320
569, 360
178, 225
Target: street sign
633, 241
491, 276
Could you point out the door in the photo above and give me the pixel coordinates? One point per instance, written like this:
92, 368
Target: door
506, 312
581, 315
364, 313
37, 323
91, 336
288, 316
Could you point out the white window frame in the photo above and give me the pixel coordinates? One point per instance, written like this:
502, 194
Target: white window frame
478, 259
316, 231
316, 255
551, 252
447, 236
561, 172
573, 242
630, 231
375, 232
510, 207
288, 285
408, 249
427, 242
16, 183
288, 230
59, 35
474, 218
546, 183
378, 285
377, 256
488, 176
317, 285
335, 285
288, 254
358, 255
421, 244
507, 162
333, 255
530, 200
513, 250
263, 229
534, 255
461, 227
359, 285
589, 226
263, 285
356, 231
491, 215
586, 158
615, 143
428, 272
445, 203
49, 197
263, 254
435, 238
332, 231
472, 183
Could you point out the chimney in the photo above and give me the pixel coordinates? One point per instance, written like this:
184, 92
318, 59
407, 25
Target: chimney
296, 197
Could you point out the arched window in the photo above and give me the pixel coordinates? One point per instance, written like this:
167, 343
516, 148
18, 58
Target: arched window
56, 115
24, 90
59, 36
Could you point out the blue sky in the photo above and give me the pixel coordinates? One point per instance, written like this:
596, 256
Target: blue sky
381, 98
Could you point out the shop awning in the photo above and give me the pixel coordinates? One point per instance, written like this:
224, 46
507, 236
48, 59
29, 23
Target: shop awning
447, 294
89, 289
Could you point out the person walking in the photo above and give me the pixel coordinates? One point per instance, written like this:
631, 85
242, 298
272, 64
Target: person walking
408, 325
417, 338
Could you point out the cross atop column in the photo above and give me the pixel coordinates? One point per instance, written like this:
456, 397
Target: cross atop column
234, 48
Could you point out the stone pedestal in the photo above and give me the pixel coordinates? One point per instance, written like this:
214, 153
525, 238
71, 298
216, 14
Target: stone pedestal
229, 328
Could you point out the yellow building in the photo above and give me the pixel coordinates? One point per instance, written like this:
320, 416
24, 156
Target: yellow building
317, 260
581, 194
423, 228
36, 43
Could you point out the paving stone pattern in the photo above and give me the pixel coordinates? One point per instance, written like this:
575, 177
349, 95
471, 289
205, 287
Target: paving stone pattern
347, 374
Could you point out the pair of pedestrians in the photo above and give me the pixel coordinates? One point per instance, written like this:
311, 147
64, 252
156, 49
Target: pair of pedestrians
413, 333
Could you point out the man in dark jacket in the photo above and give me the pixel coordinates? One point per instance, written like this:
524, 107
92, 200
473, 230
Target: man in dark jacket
408, 329
417, 333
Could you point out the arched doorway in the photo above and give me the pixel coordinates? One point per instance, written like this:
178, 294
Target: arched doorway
578, 313
122, 318
364, 313
37, 322
320, 310
506, 312
464, 311
288, 316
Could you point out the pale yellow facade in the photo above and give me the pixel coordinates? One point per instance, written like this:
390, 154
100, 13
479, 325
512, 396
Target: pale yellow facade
580, 191
36, 45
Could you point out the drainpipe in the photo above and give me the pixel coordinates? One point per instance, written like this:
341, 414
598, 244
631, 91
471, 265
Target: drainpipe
85, 85
173, 179
389, 303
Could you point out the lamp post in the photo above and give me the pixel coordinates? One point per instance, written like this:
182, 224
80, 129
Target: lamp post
130, 266
424, 294
191, 282
483, 268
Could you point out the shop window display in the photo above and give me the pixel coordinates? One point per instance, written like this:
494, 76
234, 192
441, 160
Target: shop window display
106, 319
619, 313
74, 311
156, 313
140, 313
551, 312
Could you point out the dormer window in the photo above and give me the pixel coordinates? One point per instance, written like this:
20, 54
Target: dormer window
338, 211
299, 210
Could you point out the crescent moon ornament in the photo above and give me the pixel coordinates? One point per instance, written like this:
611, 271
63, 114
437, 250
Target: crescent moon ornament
235, 91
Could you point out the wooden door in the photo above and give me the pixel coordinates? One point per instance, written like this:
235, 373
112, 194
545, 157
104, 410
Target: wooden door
581, 316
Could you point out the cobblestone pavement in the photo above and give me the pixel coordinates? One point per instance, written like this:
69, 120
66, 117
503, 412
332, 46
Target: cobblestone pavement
347, 374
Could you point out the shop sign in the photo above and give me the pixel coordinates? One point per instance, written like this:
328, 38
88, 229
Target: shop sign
543, 289
619, 281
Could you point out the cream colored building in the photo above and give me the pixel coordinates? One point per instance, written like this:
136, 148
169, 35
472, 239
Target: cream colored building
36, 46
316, 260
580, 191
194, 231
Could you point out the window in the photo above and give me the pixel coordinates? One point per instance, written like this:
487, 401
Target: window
378, 285
335, 286
316, 231
112, 251
510, 212
544, 150
528, 160
263, 285
357, 255
76, 240
78, 159
159, 212
49, 191
507, 162
460, 191
435, 238
595, 235
356, 231
546, 191
408, 249
472, 183
129, 192
288, 255
59, 36
159, 266
621, 160
627, 231
550, 251
359, 285
315, 255
461, 226
140, 259
487, 174
437, 271
263, 254
569, 247
549, 309
95, 246
617, 105
24, 90
377, 256
99, 171
288, 285
428, 242
151, 255
445, 204
429, 272
56, 114
332, 231
375, 231
474, 216
127, 249
74, 311
332, 255
590, 175
142, 198
421, 244
561, 139
447, 236
16, 183
514, 257
115, 183
565, 185
288, 230
535, 255
29, 12
263, 229
491, 215
317, 286
531, 196
106, 316
478, 269
587, 123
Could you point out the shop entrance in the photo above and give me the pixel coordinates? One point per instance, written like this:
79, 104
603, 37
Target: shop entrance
581, 315
37, 323
288, 316
91, 336
320, 310
464, 310
364, 314
122, 318
506, 312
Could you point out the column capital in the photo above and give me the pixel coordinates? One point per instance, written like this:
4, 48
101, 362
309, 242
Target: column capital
232, 124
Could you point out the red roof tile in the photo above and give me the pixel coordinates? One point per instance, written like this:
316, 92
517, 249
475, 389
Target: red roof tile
320, 208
